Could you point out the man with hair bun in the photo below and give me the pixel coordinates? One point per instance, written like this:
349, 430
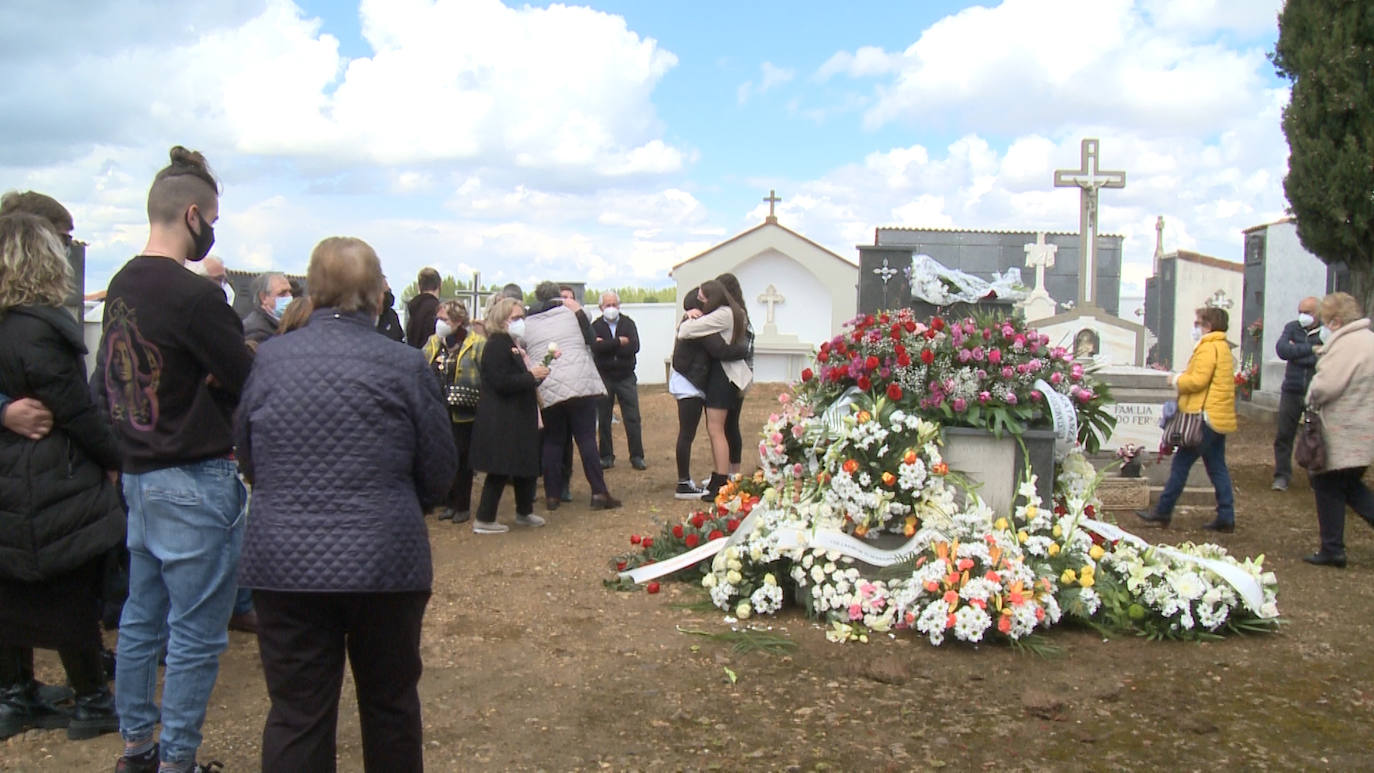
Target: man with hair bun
170, 369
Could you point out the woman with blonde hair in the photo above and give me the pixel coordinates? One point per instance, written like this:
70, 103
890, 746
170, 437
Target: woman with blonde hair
1208, 387
505, 435
60, 514
1342, 390
455, 354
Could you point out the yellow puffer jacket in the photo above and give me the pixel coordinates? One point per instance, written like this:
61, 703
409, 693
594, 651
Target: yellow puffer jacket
1209, 383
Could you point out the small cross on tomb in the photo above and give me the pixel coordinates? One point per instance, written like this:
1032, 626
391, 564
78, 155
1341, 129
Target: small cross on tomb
772, 199
771, 298
1088, 179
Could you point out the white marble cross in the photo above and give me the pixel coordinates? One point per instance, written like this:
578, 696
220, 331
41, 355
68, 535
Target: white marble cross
1088, 179
1040, 256
771, 298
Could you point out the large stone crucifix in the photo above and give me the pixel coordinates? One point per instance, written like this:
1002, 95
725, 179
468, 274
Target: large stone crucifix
1088, 178
772, 199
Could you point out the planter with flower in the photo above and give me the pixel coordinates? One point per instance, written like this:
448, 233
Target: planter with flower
857, 516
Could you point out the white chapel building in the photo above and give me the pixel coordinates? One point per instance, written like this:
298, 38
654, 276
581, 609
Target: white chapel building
798, 293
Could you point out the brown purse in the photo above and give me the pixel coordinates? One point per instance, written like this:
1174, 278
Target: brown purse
1310, 448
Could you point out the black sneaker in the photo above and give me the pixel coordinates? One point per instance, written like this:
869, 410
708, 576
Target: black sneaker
20, 711
688, 490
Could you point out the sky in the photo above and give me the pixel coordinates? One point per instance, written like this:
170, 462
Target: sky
607, 142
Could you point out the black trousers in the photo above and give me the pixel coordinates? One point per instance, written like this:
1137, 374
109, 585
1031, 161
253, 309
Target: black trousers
1290, 414
1334, 490
626, 390
492, 487
303, 639
579, 414
688, 419
83, 666
460, 493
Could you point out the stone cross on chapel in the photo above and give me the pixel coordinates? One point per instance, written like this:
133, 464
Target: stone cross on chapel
771, 298
1088, 178
772, 199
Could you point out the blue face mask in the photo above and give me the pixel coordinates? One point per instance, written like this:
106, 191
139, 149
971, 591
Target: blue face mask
279, 307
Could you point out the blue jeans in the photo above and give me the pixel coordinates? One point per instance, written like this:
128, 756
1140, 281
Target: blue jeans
185, 533
1213, 453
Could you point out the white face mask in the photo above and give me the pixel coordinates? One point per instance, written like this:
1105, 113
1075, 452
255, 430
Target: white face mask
1326, 333
611, 313
1197, 333
516, 328
1305, 319
442, 328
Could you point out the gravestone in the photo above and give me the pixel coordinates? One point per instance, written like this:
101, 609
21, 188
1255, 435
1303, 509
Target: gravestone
1278, 273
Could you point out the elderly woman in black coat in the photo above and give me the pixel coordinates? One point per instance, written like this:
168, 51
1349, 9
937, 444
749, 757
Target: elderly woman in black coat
346, 440
505, 437
60, 514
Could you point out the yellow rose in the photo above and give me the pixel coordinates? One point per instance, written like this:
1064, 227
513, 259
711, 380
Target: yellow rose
1068, 577
1097, 552
1001, 524
1087, 570
1057, 532
1022, 537
1087, 581
1054, 548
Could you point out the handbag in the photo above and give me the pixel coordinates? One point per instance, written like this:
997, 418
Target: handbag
461, 388
1184, 430
462, 395
1310, 447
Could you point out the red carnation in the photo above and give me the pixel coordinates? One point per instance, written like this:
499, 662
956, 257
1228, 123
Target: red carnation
927, 356
620, 566
677, 530
699, 520
937, 324
731, 525
648, 542
871, 363
634, 539
806, 374
715, 534
864, 383
910, 326
823, 356
652, 587
894, 392
692, 540
903, 360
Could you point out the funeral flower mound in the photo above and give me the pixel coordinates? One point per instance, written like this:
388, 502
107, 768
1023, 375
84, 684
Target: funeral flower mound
856, 517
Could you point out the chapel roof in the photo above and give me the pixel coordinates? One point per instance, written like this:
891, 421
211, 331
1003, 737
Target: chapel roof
772, 223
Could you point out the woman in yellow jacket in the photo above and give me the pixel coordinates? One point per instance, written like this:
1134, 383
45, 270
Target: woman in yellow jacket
1208, 386
455, 352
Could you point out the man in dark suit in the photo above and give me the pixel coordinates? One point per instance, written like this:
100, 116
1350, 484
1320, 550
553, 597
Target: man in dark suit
617, 343
1296, 347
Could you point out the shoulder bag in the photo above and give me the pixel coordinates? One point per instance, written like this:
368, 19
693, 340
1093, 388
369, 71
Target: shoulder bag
1310, 448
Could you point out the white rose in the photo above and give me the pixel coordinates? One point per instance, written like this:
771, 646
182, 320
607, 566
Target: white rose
709, 581
743, 610
769, 579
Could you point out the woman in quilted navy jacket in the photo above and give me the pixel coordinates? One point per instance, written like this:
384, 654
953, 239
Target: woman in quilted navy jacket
59, 511
346, 440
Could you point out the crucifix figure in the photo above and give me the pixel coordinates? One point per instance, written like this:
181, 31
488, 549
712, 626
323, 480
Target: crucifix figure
1088, 179
885, 272
772, 199
771, 299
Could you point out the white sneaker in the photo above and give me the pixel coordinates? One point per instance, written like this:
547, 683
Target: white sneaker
529, 520
482, 527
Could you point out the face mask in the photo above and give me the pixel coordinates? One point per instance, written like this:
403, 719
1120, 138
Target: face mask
1326, 333
1305, 319
388, 300
611, 313
1197, 333
203, 240
228, 292
516, 328
442, 328
279, 307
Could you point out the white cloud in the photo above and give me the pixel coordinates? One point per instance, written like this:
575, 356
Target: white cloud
770, 76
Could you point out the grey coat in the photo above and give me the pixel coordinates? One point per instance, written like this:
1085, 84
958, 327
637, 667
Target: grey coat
346, 441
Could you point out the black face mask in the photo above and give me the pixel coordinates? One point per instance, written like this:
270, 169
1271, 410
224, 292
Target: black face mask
203, 240
388, 300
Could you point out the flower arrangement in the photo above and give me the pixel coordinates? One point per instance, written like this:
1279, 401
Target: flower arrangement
1256, 329
970, 372
1248, 377
849, 465
1128, 455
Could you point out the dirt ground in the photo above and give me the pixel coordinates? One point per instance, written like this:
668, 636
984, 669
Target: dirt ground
530, 664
